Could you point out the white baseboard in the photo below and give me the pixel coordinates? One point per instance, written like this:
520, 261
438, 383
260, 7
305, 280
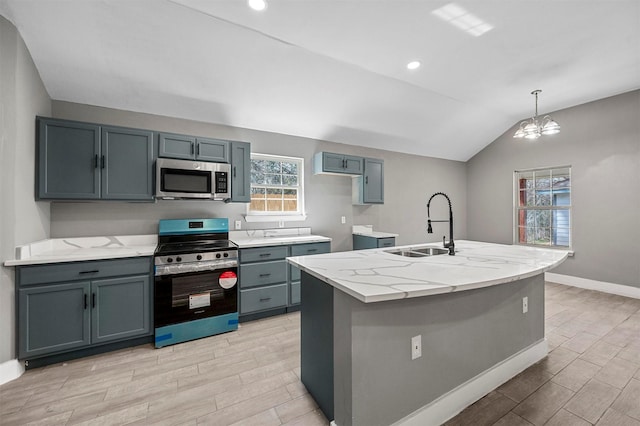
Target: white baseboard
10, 370
620, 290
453, 402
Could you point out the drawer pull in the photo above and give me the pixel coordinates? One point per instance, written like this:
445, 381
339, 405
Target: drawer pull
265, 254
89, 272
264, 275
312, 250
265, 299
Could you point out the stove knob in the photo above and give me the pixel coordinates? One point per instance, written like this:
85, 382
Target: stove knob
178, 259
169, 259
218, 256
226, 255
199, 257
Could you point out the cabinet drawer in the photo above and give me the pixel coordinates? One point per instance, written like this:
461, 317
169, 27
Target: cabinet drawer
261, 254
263, 273
258, 299
386, 242
311, 248
89, 270
295, 293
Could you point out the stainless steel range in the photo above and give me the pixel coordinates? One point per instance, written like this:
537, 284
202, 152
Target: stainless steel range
196, 275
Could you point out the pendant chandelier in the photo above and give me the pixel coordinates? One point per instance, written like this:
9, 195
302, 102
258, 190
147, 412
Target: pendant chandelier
534, 127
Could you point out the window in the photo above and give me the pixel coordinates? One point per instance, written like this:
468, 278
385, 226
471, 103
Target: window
543, 207
276, 187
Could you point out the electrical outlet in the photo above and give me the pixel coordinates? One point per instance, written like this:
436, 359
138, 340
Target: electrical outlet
281, 224
525, 305
343, 220
238, 224
416, 346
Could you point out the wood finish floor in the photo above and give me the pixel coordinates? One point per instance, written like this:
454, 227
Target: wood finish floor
251, 377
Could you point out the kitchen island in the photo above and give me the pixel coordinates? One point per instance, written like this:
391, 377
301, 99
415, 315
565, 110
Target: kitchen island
360, 311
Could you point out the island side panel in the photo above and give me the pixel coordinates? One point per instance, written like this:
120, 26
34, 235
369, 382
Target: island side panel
463, 334
316, 341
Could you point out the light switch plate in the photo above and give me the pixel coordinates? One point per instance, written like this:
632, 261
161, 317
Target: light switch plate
238, 224
416, 346
525, 305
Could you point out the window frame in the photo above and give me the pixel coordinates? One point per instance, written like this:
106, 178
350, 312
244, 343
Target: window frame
517, 174
279, 216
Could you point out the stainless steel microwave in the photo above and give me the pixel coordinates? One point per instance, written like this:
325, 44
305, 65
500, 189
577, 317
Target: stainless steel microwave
185, 179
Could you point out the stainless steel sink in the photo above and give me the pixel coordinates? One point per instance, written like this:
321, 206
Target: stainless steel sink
418, 252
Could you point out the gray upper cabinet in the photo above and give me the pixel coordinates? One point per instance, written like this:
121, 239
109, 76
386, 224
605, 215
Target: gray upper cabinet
68, 160
127, 164
83, 161
369, 188
240, 172
192, 148
330, 163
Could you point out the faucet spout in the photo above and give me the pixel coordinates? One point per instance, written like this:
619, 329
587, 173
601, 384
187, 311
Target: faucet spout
450, 245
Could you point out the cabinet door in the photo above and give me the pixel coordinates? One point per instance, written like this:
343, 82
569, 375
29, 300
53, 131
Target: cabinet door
333, 162
240, 172
68, 160
127, 164
212, 150
373, 190
120, 308
352, 165
53, 318
176, 146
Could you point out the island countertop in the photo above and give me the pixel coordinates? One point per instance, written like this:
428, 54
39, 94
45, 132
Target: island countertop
375, 275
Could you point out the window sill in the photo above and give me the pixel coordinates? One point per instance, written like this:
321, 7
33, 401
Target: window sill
275, 218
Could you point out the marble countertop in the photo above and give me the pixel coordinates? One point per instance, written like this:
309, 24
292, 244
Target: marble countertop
367, 231
374, 275
275, 237
57, 250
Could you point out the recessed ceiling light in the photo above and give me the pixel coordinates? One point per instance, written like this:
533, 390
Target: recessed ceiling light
462, 19
257, 4
413, 65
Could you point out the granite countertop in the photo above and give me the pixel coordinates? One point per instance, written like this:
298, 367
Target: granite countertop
57, 250
374, 275
275, 237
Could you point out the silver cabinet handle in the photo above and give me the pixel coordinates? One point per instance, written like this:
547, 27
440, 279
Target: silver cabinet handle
264, 299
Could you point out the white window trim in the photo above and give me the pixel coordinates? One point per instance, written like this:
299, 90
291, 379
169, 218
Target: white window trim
298, 216
514, 226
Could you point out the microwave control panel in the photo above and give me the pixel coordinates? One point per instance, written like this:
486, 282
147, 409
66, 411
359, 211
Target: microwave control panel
221, 182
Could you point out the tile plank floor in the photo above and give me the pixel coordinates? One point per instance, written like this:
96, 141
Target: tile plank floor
252, 377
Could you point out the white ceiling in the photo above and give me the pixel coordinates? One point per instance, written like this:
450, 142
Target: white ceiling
335, 69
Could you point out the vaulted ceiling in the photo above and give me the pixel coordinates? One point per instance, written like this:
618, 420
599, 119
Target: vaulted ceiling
336, 69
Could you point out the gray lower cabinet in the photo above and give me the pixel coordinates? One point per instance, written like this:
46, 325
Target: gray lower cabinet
70, 306
294, 273
268, 284
193, 148
362, 242
85, 161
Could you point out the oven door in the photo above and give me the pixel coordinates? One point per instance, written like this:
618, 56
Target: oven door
190, 296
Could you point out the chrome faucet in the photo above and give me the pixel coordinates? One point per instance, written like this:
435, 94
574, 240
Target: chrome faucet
450, 245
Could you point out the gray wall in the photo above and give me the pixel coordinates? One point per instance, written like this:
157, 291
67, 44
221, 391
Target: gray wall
601, 141
22, 220
409, 181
